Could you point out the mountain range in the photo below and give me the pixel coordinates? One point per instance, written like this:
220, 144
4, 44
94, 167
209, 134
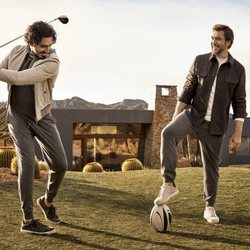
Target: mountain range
78, 103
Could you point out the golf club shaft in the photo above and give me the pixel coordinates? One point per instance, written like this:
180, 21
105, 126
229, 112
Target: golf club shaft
11, 41
20, 36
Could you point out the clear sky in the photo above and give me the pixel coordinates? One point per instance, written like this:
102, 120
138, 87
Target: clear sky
116, 49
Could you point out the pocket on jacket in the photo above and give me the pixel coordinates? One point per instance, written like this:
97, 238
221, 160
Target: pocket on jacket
202, 75
231, 80
231, 83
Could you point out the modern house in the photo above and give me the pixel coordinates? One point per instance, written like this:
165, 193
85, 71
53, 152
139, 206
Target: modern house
111, 136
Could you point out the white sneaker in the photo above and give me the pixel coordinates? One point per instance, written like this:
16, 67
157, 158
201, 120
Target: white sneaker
166, 193
211, 216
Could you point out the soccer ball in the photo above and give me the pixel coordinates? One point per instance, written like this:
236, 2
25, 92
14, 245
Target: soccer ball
160, 218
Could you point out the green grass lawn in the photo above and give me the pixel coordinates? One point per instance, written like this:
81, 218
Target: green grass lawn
111, 211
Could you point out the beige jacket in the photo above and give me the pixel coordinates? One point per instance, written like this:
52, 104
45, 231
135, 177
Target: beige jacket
42, 75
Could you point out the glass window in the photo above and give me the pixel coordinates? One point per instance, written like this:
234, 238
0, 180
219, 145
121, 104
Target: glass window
119, 129
111, 152
104, 129
108, 144
77, 163
81, 128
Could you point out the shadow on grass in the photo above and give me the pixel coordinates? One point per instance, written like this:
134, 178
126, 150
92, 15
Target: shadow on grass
210, 238
103, 197
114, 235
9, 186
72, 239
234, 219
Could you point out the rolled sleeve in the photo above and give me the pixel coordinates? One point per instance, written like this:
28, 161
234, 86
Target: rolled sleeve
239, 98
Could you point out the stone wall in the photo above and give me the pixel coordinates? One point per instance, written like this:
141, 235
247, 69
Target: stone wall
165, 102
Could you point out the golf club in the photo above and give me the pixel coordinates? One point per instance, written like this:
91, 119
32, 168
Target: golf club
63, 19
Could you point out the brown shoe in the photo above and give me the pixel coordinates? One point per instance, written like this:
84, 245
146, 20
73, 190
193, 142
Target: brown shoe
49, 212
36, 227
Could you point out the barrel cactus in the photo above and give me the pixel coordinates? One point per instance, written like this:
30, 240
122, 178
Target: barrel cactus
14, 168
93, 167
6, 155
43, 166
132, 164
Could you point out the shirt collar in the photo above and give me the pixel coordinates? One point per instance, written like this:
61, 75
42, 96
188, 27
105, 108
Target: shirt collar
33, 56
29, 52
229, 60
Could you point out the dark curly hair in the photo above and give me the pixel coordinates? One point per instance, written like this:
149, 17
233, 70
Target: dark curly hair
37, 31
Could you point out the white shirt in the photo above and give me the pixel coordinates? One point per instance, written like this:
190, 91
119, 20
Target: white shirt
211, 97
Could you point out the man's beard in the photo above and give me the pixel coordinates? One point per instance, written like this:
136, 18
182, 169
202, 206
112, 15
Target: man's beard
216, 50
42, 55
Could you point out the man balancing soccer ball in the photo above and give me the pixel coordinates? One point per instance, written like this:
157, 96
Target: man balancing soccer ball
214, 82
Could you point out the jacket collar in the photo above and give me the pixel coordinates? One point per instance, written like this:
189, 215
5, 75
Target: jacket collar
229, 60
34, 56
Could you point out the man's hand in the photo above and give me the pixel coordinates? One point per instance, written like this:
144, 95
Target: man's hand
180, 106
235, 139
234, 142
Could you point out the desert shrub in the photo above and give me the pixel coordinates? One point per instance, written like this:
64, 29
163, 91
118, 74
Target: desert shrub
14, 167
183, 163
6, 155
132, 164
196, 161
93, 167
43, 165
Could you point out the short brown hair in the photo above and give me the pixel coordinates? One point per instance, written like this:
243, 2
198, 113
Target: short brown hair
228, 32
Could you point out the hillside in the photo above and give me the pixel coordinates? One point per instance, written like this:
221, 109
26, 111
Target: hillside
78, 103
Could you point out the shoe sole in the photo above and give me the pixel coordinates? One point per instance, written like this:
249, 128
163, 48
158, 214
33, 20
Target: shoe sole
40, 233
38, 203
166, 200
211, 221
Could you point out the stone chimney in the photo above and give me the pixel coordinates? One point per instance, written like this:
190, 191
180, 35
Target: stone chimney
165, 102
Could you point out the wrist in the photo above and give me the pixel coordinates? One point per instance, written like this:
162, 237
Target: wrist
237, 132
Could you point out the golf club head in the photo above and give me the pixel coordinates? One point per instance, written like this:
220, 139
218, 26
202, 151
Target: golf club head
63, 19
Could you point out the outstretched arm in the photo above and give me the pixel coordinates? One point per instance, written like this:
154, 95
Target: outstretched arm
31, 76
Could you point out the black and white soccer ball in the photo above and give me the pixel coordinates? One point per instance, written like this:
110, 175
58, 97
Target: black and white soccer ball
160, 218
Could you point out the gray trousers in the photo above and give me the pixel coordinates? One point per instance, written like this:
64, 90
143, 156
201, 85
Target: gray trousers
23, 131
210, 151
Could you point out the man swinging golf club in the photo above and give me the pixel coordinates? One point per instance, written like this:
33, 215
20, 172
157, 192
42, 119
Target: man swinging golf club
30, 72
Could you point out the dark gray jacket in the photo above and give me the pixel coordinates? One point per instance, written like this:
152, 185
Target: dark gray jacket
230, 89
